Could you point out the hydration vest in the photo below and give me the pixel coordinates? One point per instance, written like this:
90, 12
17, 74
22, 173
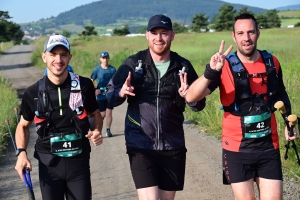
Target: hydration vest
243, 103
140, 73
44, 107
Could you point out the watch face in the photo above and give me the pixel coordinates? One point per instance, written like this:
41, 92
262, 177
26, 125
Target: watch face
18, 151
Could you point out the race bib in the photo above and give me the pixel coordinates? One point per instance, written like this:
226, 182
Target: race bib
257, 126
66, 145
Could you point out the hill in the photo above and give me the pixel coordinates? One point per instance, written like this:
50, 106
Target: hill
135, 13
290, 7
107, 12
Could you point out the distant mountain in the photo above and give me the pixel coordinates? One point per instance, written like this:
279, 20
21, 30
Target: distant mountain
291, 7
134, 13
106, 12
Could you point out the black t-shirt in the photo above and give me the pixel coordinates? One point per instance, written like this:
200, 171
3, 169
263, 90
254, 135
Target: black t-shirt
60, 120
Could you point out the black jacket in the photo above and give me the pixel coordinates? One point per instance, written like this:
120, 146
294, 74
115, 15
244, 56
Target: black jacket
154, 116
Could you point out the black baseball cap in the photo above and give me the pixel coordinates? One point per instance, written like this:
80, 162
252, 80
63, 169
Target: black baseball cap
159, 21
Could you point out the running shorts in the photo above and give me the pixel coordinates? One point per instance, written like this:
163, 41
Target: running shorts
165, 169
103, 105
240, 166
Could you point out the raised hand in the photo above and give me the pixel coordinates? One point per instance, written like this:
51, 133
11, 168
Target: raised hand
217, 60
183, 84
127, 89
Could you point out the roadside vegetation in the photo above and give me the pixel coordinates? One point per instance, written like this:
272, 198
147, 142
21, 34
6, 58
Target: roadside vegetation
4, 46
9, 100
198, 48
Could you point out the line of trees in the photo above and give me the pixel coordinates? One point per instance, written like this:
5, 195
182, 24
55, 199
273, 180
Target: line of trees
225, 19
9, 31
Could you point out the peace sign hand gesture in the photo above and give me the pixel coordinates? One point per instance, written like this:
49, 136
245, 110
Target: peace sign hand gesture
183, 84
217, 60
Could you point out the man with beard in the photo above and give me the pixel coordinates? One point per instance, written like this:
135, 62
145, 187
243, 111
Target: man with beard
250, 82
155, 82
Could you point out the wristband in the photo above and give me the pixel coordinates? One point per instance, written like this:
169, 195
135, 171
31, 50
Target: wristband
210, 73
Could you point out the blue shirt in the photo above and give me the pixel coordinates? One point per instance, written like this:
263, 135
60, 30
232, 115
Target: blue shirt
102, 77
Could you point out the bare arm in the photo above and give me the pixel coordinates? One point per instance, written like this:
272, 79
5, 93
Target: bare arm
198, 90
22, 139
96, 122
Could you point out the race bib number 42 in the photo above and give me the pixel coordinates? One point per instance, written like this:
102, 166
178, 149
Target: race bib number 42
257, 126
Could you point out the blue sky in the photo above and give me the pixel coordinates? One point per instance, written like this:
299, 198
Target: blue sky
32, 10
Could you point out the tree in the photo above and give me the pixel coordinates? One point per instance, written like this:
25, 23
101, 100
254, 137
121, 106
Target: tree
66, 33
245, 10
179, 28
225, 18
89, 30
262, 21
9, 31
199, 22
121, 31
273, 19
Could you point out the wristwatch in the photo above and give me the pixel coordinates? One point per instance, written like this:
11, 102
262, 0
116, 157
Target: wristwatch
18, 151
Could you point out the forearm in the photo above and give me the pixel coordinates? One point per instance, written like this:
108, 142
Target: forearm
97, 120
198, 90
22, 133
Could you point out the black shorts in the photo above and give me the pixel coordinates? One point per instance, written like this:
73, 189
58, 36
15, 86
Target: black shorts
66, 176
165, 169
240, 166
103, 105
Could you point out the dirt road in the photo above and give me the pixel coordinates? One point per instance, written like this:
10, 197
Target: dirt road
111, 178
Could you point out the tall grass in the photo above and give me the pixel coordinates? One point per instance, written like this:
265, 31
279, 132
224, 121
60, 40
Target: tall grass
4, 46
198, 48
9, 100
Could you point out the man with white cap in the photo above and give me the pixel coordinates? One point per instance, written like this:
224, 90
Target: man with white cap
59, 104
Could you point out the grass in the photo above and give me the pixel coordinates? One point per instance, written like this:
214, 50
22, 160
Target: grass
198, 48
4, 46
9, 100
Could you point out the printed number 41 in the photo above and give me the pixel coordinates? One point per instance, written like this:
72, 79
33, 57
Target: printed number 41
260, 125
67, 144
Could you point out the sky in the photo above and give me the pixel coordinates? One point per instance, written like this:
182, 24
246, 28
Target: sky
24, 11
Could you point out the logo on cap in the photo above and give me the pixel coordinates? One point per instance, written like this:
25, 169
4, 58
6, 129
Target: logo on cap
56, 40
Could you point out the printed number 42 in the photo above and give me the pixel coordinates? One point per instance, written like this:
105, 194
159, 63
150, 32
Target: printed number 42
260, 125
67, 144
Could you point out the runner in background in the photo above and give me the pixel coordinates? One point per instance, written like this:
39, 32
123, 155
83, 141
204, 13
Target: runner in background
101, 74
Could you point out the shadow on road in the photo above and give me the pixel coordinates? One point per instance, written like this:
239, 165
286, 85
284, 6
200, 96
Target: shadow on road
10, 67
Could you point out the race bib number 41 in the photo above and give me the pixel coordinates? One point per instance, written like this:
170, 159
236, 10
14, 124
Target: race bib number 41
67, 145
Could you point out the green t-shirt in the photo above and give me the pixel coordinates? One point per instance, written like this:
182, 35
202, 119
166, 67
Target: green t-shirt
162, 67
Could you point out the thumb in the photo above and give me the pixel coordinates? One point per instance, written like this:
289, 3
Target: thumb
90, 133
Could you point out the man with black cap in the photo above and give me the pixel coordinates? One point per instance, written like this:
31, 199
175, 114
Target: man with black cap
59, 104
154, 82
102, 74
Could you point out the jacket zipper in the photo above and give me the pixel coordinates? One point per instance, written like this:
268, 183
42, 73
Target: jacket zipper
157, 112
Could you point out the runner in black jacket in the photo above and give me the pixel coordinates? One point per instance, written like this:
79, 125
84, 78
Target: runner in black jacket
155, 82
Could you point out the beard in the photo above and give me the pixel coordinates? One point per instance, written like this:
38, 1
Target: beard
248, 53
160, 50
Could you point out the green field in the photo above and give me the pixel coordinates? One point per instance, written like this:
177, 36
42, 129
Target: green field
289, 14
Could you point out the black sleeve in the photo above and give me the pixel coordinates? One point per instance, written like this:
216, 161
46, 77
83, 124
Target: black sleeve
88, 93
283, 96
116, 82
28, 104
